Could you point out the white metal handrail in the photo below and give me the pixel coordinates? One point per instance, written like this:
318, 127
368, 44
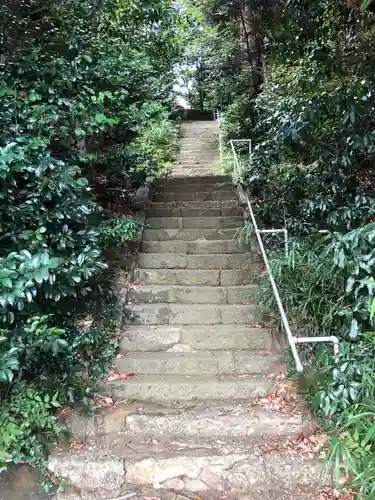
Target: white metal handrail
292, 340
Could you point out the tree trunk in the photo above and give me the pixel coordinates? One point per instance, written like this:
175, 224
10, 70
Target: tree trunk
252, 37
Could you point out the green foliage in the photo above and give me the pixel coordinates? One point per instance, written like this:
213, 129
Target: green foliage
28, 425
85, 101
311, 291
157, 143
326, 287
49, 367
116, 232
353, 447
311, 125
48, 248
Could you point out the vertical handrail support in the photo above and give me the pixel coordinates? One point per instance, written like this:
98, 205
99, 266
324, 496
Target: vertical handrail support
292, 340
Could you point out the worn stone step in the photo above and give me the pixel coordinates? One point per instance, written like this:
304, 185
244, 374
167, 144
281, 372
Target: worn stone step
194, 188
161, 471
195, 261
194, 314
193, 172
198, 209
168, 389
195, 180
222, 421
192, 294
212, 277
194, 337
195, 247
188, 234
178, 276
187, 172
230, 473
199, 363
194, 222
198, 196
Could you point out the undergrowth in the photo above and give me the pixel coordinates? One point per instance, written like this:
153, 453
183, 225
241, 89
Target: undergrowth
326, 287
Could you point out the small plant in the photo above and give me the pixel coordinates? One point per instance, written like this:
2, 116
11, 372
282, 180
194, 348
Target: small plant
116, 232
29, 425
244, 233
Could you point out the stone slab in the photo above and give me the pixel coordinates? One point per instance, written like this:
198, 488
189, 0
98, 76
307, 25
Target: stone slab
179, 294
197, 196
225, 337
235, 277
151, 338
217, 422
194, 337
201, 180
179, 363
194, 247
194, 261
188, 187
188, 234
169, 389
87, 471
194, 314
178, 276
194, 222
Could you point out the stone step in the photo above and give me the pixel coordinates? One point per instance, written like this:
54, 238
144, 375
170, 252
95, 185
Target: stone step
199, 209
188, 187
184, 470
193, 172
170, 389
195, 247
190, 261
194, 314
194, 337
192, 294
222, 421
197, 163
197, 363
211, 277
188, 234
194, 222
195, 180
199, 196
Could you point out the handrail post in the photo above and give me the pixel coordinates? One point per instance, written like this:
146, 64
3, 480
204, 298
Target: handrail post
292, 340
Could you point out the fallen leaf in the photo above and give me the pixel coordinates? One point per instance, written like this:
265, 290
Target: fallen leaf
104, 402
120, 376
344, 480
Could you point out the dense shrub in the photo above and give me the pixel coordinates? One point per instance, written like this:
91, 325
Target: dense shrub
85, 105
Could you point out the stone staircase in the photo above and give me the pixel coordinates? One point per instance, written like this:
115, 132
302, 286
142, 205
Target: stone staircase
194, 306
185, 426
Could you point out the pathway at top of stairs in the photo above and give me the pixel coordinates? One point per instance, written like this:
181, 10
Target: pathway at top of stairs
195, 421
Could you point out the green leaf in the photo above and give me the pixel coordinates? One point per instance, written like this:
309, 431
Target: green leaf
7, 283
79, 132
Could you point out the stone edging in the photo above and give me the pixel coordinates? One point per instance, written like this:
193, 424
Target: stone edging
140, 205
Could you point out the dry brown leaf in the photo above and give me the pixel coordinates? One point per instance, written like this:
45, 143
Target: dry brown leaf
104, 402
120, 376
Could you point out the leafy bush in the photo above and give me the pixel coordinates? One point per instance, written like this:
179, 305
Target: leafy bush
28, 425
311, 291
327, 288
78, 78
157, 143
116, 232
353, 445
50, 367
